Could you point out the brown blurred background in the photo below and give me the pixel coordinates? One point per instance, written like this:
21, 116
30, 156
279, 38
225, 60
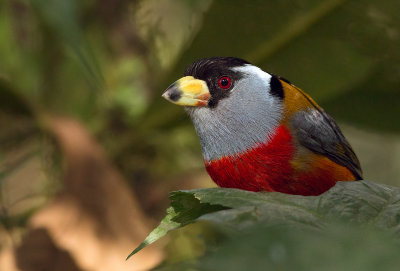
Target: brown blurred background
88, 149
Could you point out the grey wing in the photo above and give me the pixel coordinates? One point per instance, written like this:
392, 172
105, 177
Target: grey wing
318, 132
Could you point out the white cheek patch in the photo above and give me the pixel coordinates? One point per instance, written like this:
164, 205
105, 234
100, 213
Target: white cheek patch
253, 71
249, 116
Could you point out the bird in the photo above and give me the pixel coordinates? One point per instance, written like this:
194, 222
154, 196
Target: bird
259, 132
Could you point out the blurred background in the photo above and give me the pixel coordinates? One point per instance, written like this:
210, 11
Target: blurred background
89, 150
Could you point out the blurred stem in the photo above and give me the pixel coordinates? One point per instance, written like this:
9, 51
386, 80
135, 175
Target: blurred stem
17, 164
294, 29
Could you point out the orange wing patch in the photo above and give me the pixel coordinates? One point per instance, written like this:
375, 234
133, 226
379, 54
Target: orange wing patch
295, 100
315, 166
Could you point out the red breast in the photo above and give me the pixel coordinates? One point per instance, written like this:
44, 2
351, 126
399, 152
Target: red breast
272, 166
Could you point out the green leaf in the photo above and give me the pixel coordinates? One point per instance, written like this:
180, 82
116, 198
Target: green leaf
185, 208
234, 211
166, 225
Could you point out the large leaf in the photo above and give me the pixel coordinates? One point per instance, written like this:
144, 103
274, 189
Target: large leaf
338, 247
234, 211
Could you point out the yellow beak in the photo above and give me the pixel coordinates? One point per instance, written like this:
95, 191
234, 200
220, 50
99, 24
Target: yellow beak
188, 91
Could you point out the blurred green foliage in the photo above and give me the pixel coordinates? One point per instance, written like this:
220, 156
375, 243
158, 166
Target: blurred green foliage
106, 63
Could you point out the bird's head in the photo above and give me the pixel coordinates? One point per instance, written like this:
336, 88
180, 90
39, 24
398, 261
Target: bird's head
234, 105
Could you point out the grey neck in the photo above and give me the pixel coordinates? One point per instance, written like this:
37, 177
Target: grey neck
248, 117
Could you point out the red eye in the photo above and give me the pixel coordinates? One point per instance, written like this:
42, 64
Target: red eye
224, 82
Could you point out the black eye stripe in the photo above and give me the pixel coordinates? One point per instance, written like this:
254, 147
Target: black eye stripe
211, 70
